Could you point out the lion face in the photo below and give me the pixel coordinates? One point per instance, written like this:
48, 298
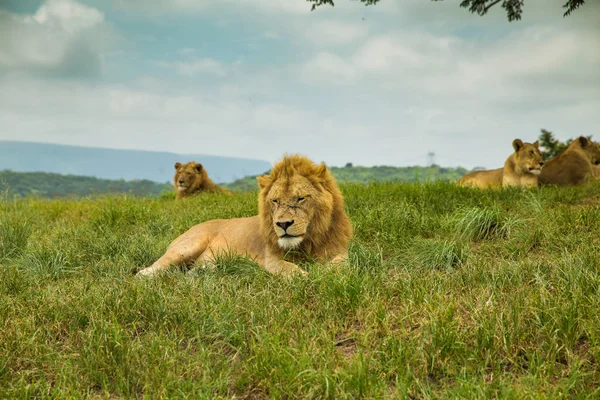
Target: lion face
187, 175
591, 150
293, 203
300, 205
528, 156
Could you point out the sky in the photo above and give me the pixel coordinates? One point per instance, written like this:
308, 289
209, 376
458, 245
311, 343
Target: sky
371, 85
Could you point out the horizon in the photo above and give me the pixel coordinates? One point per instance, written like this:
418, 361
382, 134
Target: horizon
211, 155
377, 85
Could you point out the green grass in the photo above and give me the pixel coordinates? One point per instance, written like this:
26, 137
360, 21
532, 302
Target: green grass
450, 293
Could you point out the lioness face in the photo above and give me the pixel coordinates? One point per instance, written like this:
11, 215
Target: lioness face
593, 152
529, 157
294, 202
186, 174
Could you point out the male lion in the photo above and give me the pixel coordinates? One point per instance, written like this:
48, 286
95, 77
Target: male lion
300, 208
520, 169
192, 178
574, 166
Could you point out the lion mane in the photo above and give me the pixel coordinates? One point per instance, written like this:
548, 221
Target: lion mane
192, 178
329, 230
301, 216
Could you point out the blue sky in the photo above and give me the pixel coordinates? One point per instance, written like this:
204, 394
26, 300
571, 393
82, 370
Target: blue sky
374, 85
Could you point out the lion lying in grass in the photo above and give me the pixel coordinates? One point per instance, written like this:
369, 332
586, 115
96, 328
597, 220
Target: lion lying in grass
520, 169
301, 216
577, 165
192, 178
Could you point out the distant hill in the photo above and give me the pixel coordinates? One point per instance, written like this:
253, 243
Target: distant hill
369, 174
44, 184
118, 164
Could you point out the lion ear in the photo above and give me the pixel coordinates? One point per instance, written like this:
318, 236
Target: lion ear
263, 181
198, 167
517, 144
583, 141
537, 143
321, 171
177, 165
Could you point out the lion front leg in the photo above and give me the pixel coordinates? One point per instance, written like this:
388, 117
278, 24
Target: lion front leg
277, 266
184, 250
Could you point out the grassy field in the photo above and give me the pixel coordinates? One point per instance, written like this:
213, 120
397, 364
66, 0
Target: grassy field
450, 293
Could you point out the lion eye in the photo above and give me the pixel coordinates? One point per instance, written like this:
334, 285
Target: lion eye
275, 201
301, 199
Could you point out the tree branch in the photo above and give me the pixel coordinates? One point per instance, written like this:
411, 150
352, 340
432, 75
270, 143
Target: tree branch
486, 8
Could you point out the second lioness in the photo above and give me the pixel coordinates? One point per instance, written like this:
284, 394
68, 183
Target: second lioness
521, 169
192, 178
577, 165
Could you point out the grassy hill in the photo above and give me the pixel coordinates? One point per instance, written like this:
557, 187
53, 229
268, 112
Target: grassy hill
55, 185
449, 293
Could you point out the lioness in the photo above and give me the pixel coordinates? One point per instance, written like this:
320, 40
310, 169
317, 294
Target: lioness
520, 169
574, 166
596, 167
300, 208
192, 178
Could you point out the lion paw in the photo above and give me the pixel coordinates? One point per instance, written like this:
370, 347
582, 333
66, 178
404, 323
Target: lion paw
147, 272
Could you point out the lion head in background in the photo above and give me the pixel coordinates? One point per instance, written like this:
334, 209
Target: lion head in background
528, 158
188, 177
301, 207
592, 150
574, 166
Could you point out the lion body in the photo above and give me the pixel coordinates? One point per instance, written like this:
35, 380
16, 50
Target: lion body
520, 169
301, 216
483, 179
577, 165
192, 178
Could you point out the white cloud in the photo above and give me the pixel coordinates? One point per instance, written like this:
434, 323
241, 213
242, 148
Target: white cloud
326, 67
196, 67
336, 33
199, 6
68, 15
529, 62
63, 37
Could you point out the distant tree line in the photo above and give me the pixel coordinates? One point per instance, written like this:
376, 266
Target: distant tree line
56, 185
50, 185
351, 173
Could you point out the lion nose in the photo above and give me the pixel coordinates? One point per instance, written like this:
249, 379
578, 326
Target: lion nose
541, 163
181, 181
284, 225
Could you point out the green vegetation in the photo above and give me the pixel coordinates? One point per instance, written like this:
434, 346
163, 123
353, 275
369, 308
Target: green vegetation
450, 293
514, 8
552, 146
373, 174
55, 185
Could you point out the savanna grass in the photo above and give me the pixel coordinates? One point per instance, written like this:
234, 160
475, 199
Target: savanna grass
449, 293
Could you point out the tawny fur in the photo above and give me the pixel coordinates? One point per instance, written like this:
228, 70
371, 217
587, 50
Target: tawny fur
192, 178
301, 217
520, 169
577, 165
329, 230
